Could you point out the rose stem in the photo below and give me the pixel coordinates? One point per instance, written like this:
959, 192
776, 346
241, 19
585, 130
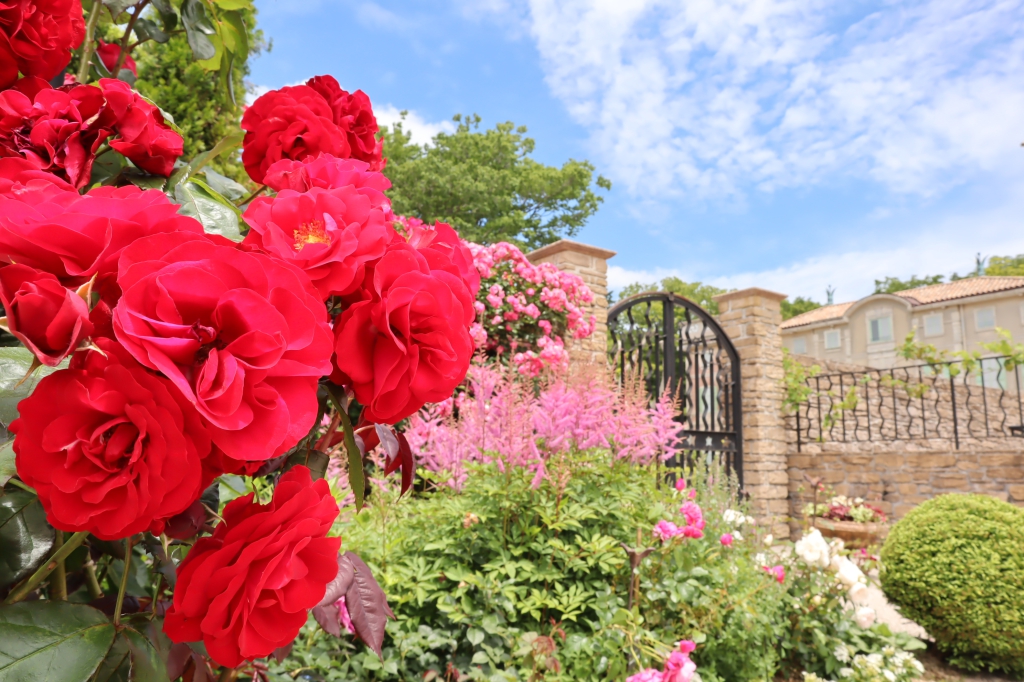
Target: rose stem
124, 580
46, 569
229, 675
87, 44
59, 582
252, 196
18, 484
91, 581
127, 36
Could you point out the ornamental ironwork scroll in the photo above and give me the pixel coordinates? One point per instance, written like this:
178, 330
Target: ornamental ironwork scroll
673, 345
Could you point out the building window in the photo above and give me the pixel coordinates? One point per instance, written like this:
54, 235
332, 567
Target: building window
800, 345
881, 329
832, 339
985, 318
933, 325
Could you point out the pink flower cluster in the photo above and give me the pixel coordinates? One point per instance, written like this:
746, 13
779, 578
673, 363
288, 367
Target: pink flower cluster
694, 528
678, 667
501, 419
526, 311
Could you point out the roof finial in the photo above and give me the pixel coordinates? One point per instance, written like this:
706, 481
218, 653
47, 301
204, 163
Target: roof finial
979, 265
830, 291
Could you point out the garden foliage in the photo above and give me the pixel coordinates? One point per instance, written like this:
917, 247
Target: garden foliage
956, 566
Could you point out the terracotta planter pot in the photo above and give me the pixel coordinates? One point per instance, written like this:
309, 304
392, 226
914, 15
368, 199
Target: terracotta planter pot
855, 535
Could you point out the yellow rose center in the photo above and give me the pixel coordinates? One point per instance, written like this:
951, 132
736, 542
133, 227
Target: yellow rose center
314, 232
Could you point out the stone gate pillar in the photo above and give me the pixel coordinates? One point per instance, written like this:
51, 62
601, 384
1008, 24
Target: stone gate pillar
751, 318
590, 263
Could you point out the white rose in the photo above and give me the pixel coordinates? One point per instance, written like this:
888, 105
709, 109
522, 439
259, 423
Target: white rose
768, 540
848, 573
865, 617
736, 536
760, 559
858, 593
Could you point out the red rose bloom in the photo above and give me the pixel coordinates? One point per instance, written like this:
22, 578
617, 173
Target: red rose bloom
329, 233
110, 447
243, 336
143, 136
295, 122
328, 172
247, 589
109, 53
75, 237
354, 115
19, 175
52, 128
444, 250
41, 313
408, 344
37, 37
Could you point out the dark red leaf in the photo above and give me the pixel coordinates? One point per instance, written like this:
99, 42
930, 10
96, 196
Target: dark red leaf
337, 588
177, 660
408, 463
188, 523
329, 618
281, 652
387, 441
367, 605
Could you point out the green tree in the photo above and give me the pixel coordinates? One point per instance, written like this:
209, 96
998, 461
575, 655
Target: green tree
484, 183
890, 285
170, 75
698, 292
1004, 266
798, 306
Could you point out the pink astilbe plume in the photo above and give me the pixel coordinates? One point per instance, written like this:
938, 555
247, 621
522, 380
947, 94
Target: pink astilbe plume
501, 418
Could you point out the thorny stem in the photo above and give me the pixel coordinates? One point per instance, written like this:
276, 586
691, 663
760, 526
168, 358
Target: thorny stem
87, 44
92, 583
46, 569
261, 190
325, 440
18, 484
229, 675
127, 36
59, 583
124, 580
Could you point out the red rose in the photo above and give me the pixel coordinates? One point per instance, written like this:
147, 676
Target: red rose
19, 175
247, 589
143, 136
52, 128
75, 237
353, 113
408, 344
110, 447
328, 172
41, 313
443, 249
243, 336
109, 53
329, 233
295, 122
37, 37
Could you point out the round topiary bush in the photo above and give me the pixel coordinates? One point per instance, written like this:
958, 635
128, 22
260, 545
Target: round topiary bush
955, 565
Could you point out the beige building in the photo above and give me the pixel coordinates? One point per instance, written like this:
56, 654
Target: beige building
953, 316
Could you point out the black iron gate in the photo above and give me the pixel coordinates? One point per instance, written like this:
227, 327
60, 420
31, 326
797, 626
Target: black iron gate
672, 344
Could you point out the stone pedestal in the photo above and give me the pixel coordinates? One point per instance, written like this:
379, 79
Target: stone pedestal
751, 318
590, 263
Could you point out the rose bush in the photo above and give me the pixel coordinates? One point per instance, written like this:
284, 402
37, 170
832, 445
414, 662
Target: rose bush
197, 347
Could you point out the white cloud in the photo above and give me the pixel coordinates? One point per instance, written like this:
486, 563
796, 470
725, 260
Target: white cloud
943, 248
422, 130
710, 98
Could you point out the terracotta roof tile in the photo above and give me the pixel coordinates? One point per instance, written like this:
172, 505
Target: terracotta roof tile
822, 314
936, 293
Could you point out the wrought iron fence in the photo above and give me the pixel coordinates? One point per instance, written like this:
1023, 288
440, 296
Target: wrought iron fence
955, 400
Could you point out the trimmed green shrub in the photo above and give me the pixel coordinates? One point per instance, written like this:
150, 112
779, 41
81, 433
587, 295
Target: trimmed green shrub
955, 565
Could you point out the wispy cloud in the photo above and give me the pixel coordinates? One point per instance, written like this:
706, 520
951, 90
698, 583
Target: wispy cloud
943, 248
714, 98
422, 130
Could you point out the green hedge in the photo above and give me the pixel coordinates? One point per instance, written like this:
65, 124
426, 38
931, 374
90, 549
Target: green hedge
955, 565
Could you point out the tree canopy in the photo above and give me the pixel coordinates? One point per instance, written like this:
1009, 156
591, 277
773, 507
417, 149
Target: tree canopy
797, 306
890, 285
698, 292
486, 185
1005, 266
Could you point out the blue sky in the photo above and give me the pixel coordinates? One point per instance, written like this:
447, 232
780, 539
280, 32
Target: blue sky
787, 144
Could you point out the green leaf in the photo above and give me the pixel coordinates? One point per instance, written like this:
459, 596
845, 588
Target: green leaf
7, 468
186, 171
52, 641
480, 657
146, 29
198, 203
225, 186
198, 29
116, 7
144, 180
164, 8
216, 196
233, 4
26, 539
14, 364
213, 62
131, 658
356, 478
474, 636
127, 76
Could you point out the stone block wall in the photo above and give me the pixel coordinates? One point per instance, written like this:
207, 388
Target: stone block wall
590, 263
